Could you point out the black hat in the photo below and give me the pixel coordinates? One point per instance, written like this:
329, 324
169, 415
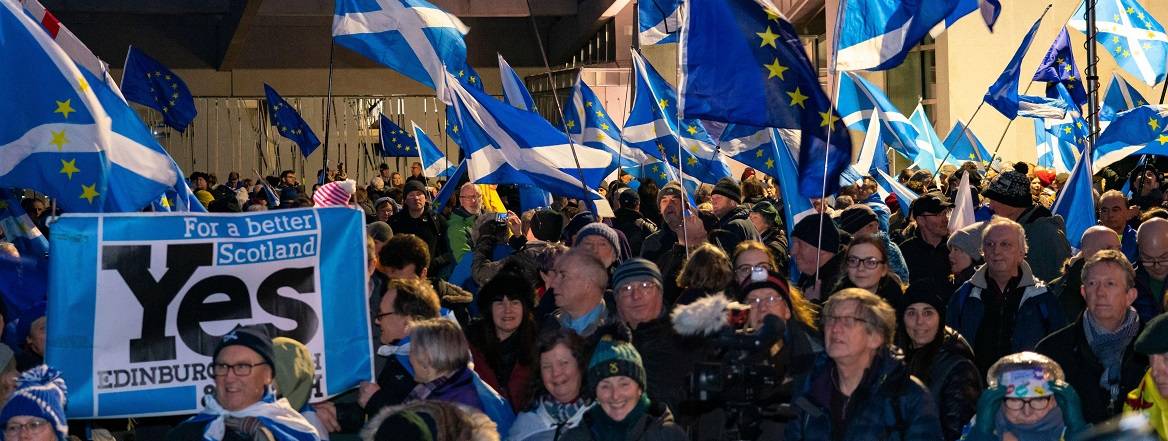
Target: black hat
807, 230
1154, 338
726, 187
412, 186
1011, 188
922, 291
767, 210
671, 188
507, 284
855, 217
629, 198
255, 338
932, 202
547, 225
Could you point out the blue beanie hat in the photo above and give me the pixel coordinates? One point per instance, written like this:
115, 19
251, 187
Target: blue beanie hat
602, 230
636, 268
40, 392
255, 337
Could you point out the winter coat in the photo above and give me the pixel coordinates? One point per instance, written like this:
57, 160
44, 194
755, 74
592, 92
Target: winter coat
775, 239
926, 262
1067, 287
395, 382
732, 229
525, 258
947, 369
429, 227
670, 256
1147, 304
518, 383
1046, 237
454, 299
1039, 313
889, 404
830, 273
669, 358
1068, 346
458, 232
655, 425
635, 226
537, 425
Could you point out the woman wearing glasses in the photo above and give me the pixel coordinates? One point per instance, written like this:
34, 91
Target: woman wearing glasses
860, 390
867, 268
1027, 399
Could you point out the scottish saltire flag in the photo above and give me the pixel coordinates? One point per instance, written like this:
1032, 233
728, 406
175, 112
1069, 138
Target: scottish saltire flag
289, 123
81, 55
886, 185
657, 21
1076, 202
588, 124
872, 156
1058, 67
742, 62
927, 141
860, 99
19, 228
182, 198
653, 127
1072, 127
514, 92
964, 146
1053, 152
505, 145
753, 146
1003, 94
1120, 97
147, 82
434, 163
795, 205
1139, 131
395, 141
413, 37
1031, 106
1131, 35
878, 34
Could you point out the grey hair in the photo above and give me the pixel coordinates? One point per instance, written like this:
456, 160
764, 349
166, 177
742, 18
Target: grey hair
879, 318
441, 342
999, 221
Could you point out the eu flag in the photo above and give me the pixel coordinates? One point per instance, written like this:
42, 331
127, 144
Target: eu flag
1058, 67
395, 141
289, 123
147, 82
741, 62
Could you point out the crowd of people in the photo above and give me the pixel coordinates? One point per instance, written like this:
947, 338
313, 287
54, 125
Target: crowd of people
865, 321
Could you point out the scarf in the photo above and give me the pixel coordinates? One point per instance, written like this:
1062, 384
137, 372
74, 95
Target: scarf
605, 429
1146, 398
562, 413
1049, 428
423, 390
276, 415
1109, 347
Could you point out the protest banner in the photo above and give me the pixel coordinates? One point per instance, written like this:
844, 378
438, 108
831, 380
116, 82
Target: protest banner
138, 302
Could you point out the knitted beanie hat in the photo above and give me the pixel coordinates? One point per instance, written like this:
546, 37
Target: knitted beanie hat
1011, 188
726, 187
334, 193
40, 392
807, 230
255, 338
855, 217
670, 188
615, 356
968, 240
602, 230
413, 186
635, 269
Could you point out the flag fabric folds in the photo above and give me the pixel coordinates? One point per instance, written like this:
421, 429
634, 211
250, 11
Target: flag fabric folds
1131, 35
289, 123
395, 141
1139, 131
887, 184
964, 146
1058, 67
1053, 152
1120, 97
657, 21
927, 140
753, 146
1076, 203
859, 99
742, 62
19, 228
1003, 93
413, 37
434, 163
147, 82
962, 215
448, 189
878, 34
588, 124
514, 91
795, 205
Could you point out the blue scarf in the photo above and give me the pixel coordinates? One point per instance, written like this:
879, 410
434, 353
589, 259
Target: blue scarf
1109, 347
1049, 428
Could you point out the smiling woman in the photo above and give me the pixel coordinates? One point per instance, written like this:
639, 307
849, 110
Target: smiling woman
502, 340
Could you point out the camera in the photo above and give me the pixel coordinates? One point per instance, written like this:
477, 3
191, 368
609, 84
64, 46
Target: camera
501, 218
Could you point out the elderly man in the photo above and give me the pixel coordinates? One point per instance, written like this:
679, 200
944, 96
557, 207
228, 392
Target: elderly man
1096, 351
1066, 287
817, 255
733, 219
462, 220
580, 281
1149, 397
1009, 197
1004, 308
1152, 270
1114, 213
667, 246
926, 252
419, 219
244, 405
858, 390
404, 303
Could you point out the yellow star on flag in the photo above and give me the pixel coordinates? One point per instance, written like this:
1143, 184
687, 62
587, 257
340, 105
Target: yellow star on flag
770, 163
599, 114
692, 130
69, 167
65, 107
1163, 139
82, 85
1059, 60
88, 192
1067, 130
776, 69
768, 38
601, 137
1153, 123
461, 73
655, 169
675, 161
455, 129
663, 103
588, 104
826, 118
603, 126
1115, 39
797, 98
59, 139
571, 124
758, 153
1131, 10
165, 202
772, 15
692, 161
1126, 53
473, 79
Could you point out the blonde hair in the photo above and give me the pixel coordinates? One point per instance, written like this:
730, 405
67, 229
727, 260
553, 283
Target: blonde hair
879, 318
708, 269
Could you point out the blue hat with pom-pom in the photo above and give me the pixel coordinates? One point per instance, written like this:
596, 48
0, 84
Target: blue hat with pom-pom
40, 392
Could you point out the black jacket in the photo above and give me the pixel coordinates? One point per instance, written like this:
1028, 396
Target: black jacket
429, 227
947, 368
655, 425
829, 272
732, 229
670, 256
635, 226
1066, 287
395, 383
926, 261
775, 239
1068, 346
669, 357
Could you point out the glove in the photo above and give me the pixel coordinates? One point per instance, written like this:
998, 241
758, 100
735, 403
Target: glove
248, 426
1072, 408
988, 406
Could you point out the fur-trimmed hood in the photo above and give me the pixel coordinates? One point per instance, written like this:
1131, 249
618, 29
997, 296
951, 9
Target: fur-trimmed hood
454, 422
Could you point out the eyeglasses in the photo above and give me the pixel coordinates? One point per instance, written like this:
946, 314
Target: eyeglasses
472, 197
847, 321
869, 263
240, 370
1036, 403
1153, 262
384, 314
744, 269
769, 300
636, 287
34, 426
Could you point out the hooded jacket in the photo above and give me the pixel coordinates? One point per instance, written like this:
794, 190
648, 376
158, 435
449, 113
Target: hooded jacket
953, 380
733, 228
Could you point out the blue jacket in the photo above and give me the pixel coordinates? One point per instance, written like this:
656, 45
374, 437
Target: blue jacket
1039, 313
889, 404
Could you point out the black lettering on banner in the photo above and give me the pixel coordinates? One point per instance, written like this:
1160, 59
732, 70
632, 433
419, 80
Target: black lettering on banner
194, 310
132, 262
300, 280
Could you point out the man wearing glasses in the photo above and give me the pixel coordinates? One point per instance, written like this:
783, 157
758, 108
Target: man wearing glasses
1152, 269
244, 369
462, 219
1114, 213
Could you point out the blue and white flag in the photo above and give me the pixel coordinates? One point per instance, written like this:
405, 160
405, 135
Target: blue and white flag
588, 124
753, 146
1120, 97
289, 123
872, 156
1031, 106
878, 34
860, 99
1131, 35
1058, 66
1071, 128
147, 82
413, 37
448, 190
1053, 152
988, 9
434, 163
514, 92
395, 142
795, 205
886, 185
1003, 94
927, 140
1076, 202
657, 21
1139, 131
175, 284
505, 145
964, 146
653, 127
19, 228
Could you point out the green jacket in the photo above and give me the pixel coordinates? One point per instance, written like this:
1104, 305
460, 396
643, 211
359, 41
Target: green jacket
458, 230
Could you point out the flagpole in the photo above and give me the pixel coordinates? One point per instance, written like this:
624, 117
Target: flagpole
1093, 77
328, 104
